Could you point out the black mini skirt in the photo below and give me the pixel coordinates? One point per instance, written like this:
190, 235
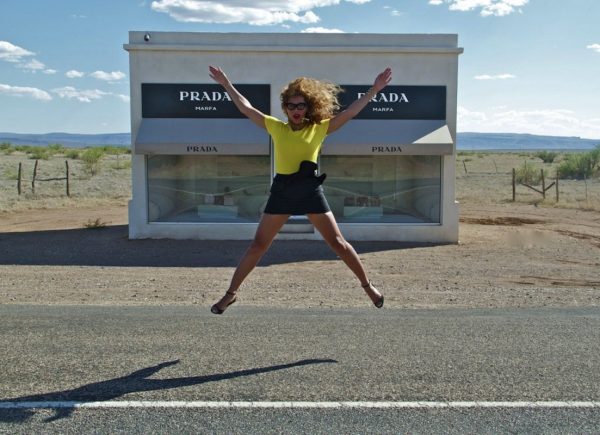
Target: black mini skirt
298, 193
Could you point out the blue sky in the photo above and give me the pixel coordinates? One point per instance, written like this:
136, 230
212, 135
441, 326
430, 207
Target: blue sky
529, 66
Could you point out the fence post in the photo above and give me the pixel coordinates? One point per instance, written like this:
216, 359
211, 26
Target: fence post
34, 175
556, 184
543, 184
67, 170
514, 186
19, 180
465, 166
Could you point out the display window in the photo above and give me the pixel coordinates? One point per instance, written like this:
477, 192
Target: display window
383, 189
203, 188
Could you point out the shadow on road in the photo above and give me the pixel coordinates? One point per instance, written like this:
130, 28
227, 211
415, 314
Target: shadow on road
64, 402
110, 246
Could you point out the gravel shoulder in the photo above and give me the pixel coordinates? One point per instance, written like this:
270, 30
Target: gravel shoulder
509, 255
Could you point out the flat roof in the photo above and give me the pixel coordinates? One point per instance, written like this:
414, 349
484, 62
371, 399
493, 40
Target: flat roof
294, 42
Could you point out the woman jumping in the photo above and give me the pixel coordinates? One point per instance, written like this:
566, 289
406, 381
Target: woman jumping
310, 106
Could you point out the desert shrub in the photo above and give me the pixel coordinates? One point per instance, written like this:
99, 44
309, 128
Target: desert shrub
94, 225
55, 148
6, 148
72, 154
115, 150
527, 174
39, 153
24, 148
546, 156
91, 160
580, 165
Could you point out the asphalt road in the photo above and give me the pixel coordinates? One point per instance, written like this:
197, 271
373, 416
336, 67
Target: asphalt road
90, 354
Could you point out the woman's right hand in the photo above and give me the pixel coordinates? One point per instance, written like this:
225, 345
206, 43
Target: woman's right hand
218, 75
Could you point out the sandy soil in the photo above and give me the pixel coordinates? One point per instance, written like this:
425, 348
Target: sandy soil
509, 255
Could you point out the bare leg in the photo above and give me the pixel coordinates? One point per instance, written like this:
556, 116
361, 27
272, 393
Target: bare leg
268, 227
326, 225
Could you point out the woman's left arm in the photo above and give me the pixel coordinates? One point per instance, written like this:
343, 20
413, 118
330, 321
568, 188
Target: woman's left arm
353, 109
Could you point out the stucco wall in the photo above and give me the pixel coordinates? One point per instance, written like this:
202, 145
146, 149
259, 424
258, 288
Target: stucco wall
276, 59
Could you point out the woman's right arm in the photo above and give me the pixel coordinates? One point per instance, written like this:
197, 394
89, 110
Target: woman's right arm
243, 105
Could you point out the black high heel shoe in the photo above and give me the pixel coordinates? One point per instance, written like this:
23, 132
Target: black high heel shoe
216, 310
379, 302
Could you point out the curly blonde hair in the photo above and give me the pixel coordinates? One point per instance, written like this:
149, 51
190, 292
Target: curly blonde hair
321, 97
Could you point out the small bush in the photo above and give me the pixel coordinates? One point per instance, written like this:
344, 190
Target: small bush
6, 148
91, 160
24, 148
527, 174
95, 225
115, 150
546, 156
580, 165
72, 154
56, 148
39, 153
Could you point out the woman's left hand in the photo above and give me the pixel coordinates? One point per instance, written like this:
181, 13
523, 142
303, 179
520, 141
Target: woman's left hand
383, 79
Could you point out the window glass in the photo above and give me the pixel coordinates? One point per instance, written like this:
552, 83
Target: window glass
383, 189
207, 188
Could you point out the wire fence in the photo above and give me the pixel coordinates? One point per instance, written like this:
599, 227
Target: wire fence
36, 179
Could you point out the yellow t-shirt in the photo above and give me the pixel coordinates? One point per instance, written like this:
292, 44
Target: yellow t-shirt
292, 147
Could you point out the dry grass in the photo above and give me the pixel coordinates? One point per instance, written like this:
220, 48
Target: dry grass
487, 180
112, 185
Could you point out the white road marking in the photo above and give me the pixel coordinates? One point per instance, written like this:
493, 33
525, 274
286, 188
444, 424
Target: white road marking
315, 405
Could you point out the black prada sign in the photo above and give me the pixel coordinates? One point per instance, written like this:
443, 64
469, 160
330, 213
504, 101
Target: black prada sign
169, 100
398, 102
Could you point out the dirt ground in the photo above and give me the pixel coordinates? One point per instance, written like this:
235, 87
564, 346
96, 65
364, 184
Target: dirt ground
509, 255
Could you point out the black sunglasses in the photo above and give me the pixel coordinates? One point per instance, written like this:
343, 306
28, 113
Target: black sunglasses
299, 106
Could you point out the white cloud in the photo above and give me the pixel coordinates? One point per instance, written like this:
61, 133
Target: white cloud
13, 53
257, 12
321, 30
74, 74
122, 97
595, 47
108, 76
495, 77
85, 96
552, 122
18, 91
497, 8
32, 65
396, 13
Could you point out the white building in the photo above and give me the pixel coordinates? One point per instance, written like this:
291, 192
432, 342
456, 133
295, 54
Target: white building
203, 171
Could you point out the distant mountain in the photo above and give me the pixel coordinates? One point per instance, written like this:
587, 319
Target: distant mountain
513, 141
67, 139
465, 141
